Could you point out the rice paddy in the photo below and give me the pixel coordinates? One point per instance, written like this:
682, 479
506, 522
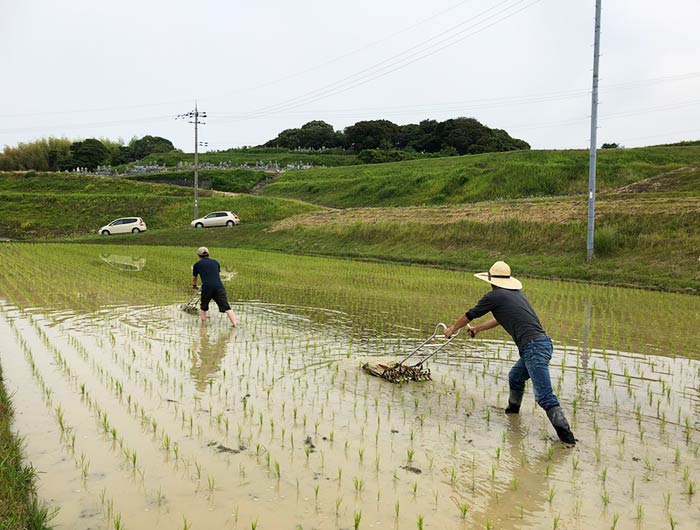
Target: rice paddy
138, 417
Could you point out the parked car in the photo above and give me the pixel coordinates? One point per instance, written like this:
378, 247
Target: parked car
216, 219
123, 225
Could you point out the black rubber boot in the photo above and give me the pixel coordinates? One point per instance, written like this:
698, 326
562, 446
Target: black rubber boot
515, 398
556, 416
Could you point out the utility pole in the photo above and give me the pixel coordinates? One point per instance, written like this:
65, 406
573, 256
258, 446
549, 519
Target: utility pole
594, 136
194, 116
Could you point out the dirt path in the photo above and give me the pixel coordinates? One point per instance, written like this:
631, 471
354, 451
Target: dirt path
676, 179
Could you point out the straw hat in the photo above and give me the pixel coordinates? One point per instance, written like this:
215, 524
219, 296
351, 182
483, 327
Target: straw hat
499, 275
202, 251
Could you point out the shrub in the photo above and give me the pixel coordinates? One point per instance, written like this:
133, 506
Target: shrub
607, 241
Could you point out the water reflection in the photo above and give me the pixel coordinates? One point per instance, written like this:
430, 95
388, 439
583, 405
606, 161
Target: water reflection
529, 488
124, 263
209, 349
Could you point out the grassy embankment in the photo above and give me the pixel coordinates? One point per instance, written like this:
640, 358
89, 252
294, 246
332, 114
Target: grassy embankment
19, 507
46, 205
473, 178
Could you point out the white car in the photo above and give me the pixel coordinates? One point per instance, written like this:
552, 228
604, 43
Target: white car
216, 219
123, 225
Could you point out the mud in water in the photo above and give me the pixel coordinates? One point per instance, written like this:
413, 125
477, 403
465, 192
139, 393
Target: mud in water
141, 416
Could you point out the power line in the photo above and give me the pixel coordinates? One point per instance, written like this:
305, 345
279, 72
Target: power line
361, 78
255, 87
347, 54
193, 117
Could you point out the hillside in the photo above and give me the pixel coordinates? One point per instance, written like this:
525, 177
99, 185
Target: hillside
40, 205
475, 178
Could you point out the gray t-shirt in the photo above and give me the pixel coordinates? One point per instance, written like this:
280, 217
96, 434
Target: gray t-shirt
512, 311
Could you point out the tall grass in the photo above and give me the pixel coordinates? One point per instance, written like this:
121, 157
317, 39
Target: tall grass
477, 177
19, 507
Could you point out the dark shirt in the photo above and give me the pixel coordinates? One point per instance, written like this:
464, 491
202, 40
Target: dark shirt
512, 311
208, 270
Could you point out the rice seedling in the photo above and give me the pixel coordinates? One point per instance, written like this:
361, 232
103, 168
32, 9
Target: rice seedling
555, 522
211, 484
131, 380
356, 520
359, 484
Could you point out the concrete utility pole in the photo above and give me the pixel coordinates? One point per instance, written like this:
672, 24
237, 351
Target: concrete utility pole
594, 136
194, 116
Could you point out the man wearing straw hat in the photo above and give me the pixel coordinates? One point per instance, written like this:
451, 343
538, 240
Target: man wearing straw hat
212, 289
512, 310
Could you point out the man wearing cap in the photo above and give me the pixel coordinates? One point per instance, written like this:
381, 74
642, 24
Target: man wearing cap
212, 289
512, 310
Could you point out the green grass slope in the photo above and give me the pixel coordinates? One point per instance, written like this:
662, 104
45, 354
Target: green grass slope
477, 177
39, 205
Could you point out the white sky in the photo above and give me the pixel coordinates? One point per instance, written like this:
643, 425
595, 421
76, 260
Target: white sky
86, 68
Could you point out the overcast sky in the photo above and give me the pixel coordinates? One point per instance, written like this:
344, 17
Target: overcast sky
84, 69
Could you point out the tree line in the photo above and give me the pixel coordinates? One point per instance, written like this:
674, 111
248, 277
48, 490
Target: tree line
373, 141
458, 136
62, 154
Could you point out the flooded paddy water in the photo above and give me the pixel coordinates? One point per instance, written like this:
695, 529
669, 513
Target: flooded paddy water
136, 416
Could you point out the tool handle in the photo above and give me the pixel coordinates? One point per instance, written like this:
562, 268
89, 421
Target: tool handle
444, 327
439, 326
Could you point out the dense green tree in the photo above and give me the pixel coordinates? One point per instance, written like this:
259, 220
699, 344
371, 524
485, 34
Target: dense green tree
89, 153
40, 155
409, 136
315, 134
463, 134
455, 136
430, 139
149, 145
58, 154
373, 134
498, 140
288, 138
